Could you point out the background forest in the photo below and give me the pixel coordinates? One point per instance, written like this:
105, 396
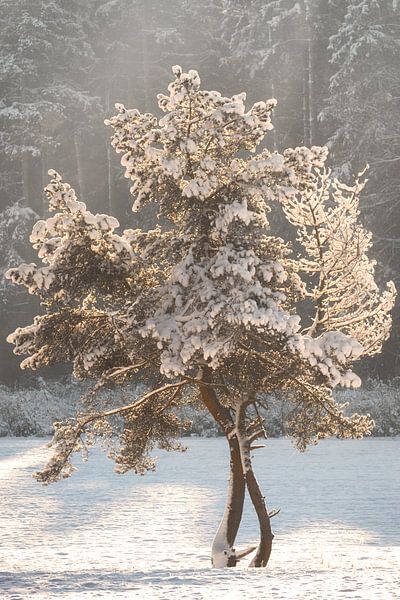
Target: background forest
332, 65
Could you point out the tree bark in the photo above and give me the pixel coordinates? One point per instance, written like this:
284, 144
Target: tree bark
241, 475
79, 167
145, 55
263, 552
32, 182
26, 178
223, 553
308, 103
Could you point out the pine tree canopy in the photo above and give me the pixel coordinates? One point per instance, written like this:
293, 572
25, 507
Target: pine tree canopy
211, 297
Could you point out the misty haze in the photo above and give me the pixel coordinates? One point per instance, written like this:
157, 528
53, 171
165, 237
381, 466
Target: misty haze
199, 264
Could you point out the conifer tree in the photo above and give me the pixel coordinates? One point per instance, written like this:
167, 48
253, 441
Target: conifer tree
44, 61
16, 222
363, 110
208, 305
281, 47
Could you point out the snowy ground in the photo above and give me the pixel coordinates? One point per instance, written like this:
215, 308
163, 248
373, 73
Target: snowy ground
100, 535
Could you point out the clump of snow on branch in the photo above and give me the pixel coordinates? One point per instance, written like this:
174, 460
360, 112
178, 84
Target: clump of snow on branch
79, 250
59, 237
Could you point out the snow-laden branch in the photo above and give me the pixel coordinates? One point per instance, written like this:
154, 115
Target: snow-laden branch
341, 274
68, 435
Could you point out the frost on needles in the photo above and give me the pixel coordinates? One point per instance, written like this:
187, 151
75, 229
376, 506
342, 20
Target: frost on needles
209, 306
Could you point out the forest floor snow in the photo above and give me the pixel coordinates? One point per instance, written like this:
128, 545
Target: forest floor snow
103, 535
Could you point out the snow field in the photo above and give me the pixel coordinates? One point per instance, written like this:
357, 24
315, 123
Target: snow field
102, 535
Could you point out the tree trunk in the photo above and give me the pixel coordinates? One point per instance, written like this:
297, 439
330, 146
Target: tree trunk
263, 553
223, 553
79, 167
32, 182
45, 178
26, 178
308, 103
145, 56
273, 132
110, 199
241, 475
266, 536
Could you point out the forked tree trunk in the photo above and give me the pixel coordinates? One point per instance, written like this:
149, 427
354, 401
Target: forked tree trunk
266, 536
263, 553
223, 553
241, 474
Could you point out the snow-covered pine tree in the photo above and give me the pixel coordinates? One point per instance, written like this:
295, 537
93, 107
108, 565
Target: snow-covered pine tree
208, 307
42, 43
363, 110
280, 47
16, 222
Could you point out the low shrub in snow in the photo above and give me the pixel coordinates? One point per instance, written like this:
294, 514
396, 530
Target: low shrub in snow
381, 400
32, 411
25, 412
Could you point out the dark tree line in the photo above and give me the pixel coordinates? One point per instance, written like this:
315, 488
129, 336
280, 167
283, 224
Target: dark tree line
333, 67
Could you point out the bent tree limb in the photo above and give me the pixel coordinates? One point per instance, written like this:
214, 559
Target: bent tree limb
67, 438
223, 553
